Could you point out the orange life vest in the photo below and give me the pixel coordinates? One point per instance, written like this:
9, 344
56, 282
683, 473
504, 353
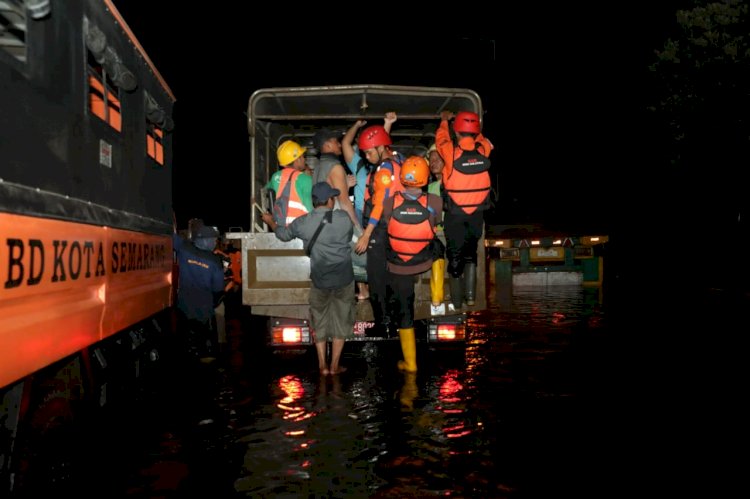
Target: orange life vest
410, 230
468, 185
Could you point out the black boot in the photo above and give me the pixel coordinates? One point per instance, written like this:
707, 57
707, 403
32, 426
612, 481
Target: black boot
380, 317
457, 292
470, 283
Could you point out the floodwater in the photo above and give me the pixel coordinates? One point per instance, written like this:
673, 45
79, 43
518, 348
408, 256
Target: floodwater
521, 410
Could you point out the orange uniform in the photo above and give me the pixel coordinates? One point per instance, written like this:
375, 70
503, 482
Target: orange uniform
469, 191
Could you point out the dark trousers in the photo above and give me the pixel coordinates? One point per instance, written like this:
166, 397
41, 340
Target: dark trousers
376, 274
198, 335
402, 296
462, 234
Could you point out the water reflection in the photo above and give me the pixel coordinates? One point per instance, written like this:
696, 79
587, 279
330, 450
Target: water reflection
501, 416
305, 444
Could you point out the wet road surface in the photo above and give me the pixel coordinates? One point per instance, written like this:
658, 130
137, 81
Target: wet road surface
523, 409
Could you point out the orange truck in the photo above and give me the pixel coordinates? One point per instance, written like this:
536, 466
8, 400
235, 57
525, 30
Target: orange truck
86, 255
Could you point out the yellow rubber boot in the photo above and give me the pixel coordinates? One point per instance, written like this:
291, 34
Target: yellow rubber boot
436, 281
408, 391
408, 349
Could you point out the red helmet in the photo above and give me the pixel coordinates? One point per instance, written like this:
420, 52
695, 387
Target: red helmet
373, 136
466, 122
415, 172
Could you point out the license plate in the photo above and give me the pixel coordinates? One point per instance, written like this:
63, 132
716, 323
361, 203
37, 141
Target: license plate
361, 327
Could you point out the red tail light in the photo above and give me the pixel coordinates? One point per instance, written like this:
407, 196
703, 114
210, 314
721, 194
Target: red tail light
448, 331
290, 335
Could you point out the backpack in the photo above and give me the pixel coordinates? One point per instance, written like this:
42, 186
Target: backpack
281, 204
470, 162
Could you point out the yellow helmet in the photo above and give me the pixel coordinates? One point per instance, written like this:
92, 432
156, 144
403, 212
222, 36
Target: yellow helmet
288, 151
433, 147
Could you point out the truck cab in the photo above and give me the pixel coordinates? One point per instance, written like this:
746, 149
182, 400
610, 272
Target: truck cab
275, 274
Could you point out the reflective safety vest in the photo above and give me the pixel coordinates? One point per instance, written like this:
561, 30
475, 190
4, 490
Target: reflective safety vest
410, 231
468, 185
295, 207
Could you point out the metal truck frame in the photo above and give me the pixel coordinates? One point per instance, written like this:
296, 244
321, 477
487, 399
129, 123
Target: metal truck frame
276, 274
86, 222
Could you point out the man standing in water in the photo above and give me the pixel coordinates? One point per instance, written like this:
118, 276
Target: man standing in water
327, 234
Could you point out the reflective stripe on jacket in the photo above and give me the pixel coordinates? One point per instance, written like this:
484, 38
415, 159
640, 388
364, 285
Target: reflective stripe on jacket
295, 207
375, 196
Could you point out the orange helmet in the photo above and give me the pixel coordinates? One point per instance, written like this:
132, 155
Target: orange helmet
466, 122
382, 178
415, 172
373, 136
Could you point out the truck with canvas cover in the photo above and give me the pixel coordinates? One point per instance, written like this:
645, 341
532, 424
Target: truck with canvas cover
275, 277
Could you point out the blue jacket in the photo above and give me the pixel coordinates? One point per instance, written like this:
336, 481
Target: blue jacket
200, 281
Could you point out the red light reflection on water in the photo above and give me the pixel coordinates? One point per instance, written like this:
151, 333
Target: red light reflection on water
450, 387
292, 387
557, 318
451, 403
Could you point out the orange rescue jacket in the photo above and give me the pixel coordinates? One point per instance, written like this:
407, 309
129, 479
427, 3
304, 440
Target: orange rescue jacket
466, 191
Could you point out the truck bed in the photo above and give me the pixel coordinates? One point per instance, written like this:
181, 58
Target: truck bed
275, 274
276, 280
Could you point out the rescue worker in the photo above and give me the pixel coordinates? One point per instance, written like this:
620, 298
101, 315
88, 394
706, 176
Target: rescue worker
412, 217
466, 186
361, 168
383, 181
291, 157
359, 165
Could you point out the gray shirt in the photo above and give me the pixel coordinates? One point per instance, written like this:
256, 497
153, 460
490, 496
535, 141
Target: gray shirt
331, 257
325, 165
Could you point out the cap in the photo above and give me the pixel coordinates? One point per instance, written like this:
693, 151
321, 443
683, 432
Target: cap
323, 192
207, 232
324, 135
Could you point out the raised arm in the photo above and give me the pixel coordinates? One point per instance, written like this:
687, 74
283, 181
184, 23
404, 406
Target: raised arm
347, 141
337, 178
390, 118
444, 143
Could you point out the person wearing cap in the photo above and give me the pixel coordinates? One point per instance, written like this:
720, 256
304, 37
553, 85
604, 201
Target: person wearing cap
466, 186
332, 310
291, 157
200, 283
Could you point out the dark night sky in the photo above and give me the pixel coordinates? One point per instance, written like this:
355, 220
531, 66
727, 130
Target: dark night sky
561, 92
